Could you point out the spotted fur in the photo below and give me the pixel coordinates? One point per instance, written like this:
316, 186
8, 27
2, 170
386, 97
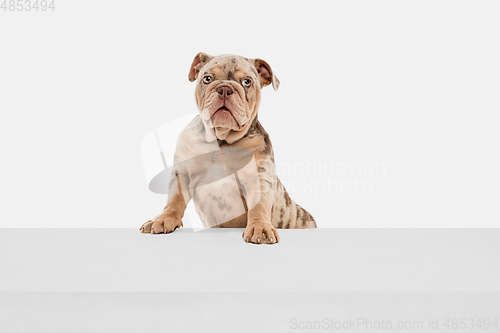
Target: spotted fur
253, 198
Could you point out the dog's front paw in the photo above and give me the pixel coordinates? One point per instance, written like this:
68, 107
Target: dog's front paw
261, 233
161, 224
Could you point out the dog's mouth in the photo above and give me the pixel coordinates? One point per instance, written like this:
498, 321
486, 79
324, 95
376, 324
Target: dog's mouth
223, 110
224, 115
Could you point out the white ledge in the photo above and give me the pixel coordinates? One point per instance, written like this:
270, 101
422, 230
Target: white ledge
328, 260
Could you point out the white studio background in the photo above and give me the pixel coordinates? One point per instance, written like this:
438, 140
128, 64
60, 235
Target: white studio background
402, 96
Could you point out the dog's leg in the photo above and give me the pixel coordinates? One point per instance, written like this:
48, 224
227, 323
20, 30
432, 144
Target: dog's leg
171, 217
259, 229
287, 214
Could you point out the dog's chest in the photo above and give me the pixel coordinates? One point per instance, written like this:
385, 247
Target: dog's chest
213, 184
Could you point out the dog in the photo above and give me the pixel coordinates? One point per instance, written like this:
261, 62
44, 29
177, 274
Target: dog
213, 150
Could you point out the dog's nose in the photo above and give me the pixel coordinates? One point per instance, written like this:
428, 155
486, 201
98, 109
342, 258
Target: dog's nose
225, 91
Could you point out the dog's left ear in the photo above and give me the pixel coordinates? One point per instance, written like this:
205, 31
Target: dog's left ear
267, 76
198, 62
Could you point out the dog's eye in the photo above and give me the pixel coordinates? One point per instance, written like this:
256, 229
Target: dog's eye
246, 82
207, 79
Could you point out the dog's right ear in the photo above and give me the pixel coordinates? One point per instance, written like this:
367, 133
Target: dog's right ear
198, 62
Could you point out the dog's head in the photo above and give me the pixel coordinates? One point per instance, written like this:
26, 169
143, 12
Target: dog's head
228, 92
